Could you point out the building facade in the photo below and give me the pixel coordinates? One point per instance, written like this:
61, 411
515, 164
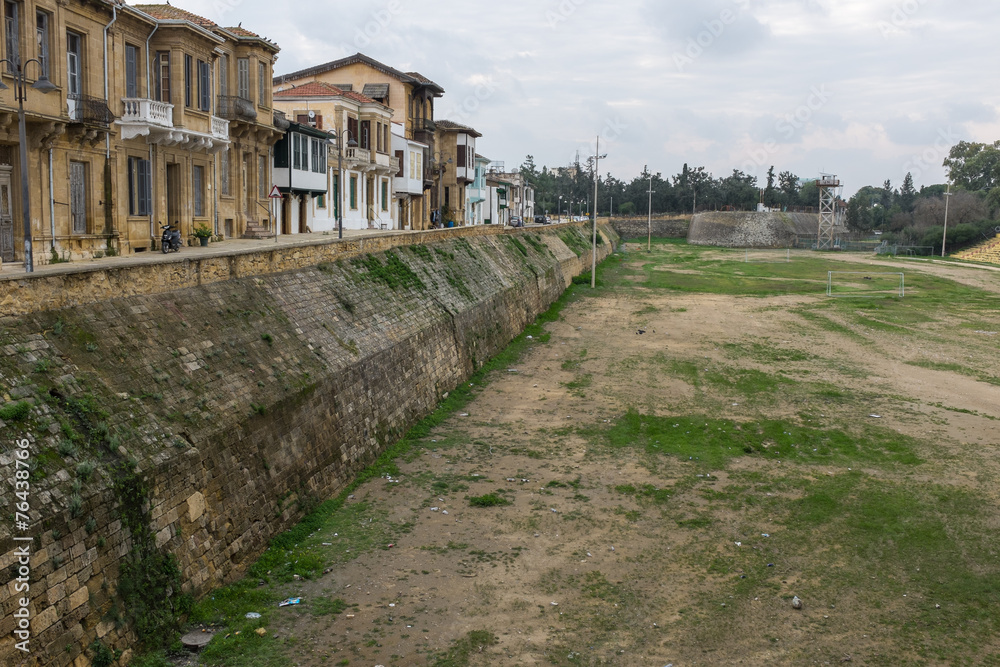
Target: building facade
369, 166
456, 170
410, 96
156, 118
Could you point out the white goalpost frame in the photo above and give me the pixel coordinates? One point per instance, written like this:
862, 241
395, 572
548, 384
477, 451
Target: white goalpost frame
900, 291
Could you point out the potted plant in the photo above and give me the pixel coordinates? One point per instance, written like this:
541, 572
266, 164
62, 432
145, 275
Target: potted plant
203, 232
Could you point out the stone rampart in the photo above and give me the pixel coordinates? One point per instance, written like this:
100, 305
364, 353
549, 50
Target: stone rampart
662, 228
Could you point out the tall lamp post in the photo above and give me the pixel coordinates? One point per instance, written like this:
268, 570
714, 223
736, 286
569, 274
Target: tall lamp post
649, 221
43, 85
560, 208
351, 143
593, 255
947, 199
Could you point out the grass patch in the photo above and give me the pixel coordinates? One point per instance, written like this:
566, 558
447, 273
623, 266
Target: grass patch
489, 500
461, 652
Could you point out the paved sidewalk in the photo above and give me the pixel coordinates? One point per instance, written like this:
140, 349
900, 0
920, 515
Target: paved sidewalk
220, 249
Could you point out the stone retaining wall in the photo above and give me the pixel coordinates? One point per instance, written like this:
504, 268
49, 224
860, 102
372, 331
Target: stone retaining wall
240, 401
664, 228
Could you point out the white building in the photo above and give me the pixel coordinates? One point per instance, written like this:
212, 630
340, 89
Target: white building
408, 183
300, 173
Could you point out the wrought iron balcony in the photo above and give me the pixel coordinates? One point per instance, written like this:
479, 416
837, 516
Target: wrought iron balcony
89, 109
232, 107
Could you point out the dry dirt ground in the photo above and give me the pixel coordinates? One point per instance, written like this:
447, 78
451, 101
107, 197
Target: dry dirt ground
610, 553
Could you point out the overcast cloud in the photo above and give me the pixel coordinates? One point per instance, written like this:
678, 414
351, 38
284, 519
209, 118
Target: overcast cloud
866, 89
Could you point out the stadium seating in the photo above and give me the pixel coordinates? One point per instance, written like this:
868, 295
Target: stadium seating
988, 251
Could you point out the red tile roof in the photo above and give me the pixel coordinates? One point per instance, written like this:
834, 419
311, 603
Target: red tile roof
169, 12
322, 89
240, 31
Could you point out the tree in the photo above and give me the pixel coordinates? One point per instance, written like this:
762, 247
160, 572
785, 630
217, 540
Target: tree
887, 194
770, 194
859, 216
907, 194
974, 166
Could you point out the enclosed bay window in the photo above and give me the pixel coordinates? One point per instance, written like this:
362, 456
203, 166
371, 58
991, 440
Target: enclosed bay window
263, 83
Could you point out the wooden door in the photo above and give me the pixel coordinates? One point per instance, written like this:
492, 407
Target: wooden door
78, 196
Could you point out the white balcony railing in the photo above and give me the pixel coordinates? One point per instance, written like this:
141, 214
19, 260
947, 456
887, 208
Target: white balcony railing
141, 110
220, 128
358, 154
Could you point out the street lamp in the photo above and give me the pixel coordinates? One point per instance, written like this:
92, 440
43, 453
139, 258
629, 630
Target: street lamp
947, 199
351, 143
45, 86
560, 208
593, 253
649, 221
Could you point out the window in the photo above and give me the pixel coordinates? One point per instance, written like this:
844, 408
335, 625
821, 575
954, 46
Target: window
198, 185
140, 187
460, 162
378, 135
352, 128
188, 78
420, 166
204, 86
224, 74
354, 192
131, 71
224, 173
161, 75
318, 156
385, 195
321, 201
300, 156
366, 131
413, 165
263, 83
243, 78
42, 36
74, 82
11, 29
263, 180
447, 197
399, 159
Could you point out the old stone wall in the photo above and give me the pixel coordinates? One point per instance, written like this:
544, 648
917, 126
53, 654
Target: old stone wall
234, 405
663, 228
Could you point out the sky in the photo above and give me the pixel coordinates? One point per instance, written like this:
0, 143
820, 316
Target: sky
865, 89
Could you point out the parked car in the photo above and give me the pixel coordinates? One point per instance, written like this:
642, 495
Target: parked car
541, 219
516, 221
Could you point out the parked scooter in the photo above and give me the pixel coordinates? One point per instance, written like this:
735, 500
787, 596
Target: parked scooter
170, 240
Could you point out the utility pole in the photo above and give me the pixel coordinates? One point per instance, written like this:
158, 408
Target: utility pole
649, 222
947, 199
593, 254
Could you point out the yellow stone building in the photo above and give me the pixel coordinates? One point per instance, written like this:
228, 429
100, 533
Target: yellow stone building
410, 96
158, 115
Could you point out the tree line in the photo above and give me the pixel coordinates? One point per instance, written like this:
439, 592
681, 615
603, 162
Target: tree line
906, 216
691, 189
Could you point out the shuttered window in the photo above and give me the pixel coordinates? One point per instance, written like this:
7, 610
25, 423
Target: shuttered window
140, 187
131, 71
78, 196
204, 86
198, 185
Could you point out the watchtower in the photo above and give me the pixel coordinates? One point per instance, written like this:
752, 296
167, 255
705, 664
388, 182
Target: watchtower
828, 185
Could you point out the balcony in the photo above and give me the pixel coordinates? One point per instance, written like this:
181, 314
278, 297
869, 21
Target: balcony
155, 121
220, 128
89, 110
232, 107
147, 112
357, 158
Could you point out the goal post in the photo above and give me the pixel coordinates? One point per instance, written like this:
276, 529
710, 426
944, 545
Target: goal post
865, 284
